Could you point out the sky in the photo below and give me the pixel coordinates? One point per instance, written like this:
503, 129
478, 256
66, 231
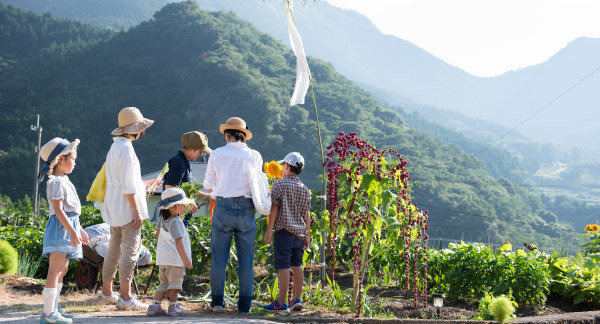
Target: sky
484, 37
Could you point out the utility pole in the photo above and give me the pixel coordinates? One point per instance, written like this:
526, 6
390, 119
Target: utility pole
37, 128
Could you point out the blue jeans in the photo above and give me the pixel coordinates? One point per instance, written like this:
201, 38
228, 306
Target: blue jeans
233, 218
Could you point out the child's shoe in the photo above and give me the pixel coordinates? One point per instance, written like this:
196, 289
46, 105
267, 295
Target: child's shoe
275, 307
55, 317
132, 303
63, 314
155, 310
108, 300
175, 310
296, 304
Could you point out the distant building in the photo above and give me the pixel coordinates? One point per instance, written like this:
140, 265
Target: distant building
198, 171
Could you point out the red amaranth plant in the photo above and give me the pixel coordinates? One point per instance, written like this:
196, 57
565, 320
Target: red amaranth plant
368, 196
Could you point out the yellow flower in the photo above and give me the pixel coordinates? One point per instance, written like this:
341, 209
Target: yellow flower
588, 228
266, 167
595, 228
274, 170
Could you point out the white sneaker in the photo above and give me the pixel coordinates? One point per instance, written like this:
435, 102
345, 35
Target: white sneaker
108, 300
132, 303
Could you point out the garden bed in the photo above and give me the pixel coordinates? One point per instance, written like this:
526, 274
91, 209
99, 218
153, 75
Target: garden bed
23, 294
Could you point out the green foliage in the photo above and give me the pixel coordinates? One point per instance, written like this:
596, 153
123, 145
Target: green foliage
28, 264
591, 243
9, 258
470, 271
501, 307
577, 278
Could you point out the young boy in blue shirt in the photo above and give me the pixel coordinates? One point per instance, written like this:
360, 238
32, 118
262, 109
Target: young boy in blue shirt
180, 171
290, 218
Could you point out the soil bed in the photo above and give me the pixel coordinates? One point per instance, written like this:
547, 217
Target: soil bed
25, 294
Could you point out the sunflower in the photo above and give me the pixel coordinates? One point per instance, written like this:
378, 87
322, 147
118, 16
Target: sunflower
266, 167
588, 228
595, 228
274, 170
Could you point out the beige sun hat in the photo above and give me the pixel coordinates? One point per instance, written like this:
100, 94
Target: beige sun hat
52, 151
195, 141
238, 124
131, 121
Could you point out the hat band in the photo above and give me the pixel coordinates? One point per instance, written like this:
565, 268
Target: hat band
165, 202
55, 152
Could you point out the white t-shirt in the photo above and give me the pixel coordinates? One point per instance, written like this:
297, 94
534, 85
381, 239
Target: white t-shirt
226, 170
123, 176
62, 188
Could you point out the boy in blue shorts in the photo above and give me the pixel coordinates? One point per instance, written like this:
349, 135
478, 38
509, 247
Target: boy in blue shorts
290, 218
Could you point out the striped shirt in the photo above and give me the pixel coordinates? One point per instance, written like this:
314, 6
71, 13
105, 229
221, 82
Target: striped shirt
293, 199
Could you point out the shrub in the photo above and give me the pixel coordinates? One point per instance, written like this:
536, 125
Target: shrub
470, 271
9, 258
501, 308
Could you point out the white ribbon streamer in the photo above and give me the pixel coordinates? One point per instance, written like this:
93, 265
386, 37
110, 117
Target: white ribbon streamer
302, 69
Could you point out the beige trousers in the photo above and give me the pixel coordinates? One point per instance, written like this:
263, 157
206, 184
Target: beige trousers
123, 251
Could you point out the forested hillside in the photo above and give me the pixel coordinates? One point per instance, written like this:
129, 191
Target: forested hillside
191, 69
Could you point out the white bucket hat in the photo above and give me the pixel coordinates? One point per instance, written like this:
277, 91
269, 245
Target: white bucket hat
169, 198
52, 151
293, 159
131, 121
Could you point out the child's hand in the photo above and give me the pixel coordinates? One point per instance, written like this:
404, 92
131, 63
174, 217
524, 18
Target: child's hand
75, 239
268, 240
85, 239
187, 264
193, 208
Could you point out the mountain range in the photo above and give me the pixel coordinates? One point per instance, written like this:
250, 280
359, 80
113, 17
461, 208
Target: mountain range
192, 69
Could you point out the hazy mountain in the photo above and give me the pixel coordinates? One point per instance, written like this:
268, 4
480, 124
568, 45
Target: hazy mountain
192, 69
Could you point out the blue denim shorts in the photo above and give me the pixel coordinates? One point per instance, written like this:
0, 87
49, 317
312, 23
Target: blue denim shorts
289, 250
57, 239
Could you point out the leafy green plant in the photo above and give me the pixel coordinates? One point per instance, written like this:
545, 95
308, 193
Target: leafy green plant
592, 237
369, 195
500, 308
470, 271
28, 265
9, 258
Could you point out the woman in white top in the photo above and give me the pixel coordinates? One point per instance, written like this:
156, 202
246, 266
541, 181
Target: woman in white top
124, 208
233, 217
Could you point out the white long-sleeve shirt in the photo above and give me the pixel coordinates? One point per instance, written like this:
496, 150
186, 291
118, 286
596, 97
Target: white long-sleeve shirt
123, 176
226, 170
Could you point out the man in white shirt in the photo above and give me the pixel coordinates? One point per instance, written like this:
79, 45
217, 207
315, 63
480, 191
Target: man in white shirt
124, 208
233, 217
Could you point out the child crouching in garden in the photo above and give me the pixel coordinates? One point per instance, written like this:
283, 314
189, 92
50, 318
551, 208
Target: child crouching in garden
173, 251
63, 234
290, 217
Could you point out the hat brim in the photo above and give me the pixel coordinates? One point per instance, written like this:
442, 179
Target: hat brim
248, 133
184, 201
134, 128
66, 151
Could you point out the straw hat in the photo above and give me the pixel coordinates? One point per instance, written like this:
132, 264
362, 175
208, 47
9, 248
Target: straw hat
52, 151
195, 141
173, 196
238, 124
131, 121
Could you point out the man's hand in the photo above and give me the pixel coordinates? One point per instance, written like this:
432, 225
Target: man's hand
137, 219
307, 241
268, 240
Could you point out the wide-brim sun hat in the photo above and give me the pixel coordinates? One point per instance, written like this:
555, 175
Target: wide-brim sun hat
131, 121
195, 141
238, 124
53, 150
173, 196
